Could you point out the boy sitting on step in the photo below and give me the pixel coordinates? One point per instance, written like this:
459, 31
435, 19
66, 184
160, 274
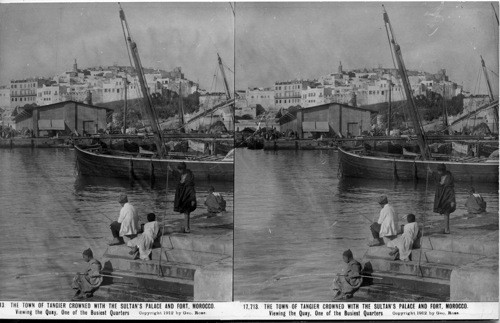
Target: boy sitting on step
349, 281
143, 244
87, 282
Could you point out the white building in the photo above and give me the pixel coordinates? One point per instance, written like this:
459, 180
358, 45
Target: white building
263, 97
312, 97
288, 93
5, 97
48, 94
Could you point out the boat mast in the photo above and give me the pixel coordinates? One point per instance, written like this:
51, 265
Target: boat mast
422, 142
226, 85
148, 104
125, 104
445, 113
181, 109
496, 16
490, 91
390, 109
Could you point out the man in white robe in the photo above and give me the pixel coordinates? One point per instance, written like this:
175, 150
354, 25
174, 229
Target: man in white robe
385, 229
142, 245
127, 224
403, 245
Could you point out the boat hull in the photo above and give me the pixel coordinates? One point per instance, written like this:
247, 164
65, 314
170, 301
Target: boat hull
355, 165
137, 168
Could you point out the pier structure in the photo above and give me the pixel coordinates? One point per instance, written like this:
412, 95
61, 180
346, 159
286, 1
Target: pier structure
461, 266
187, 267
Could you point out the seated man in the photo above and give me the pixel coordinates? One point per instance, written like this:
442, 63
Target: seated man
475, 203
349, 281
386, 226
215, 202
87, 282
143, 244
402, 245
127, 224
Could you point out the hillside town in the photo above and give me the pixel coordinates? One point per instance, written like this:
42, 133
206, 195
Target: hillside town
370, 89
101, 86
367, 88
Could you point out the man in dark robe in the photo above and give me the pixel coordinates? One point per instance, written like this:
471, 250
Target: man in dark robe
87, 282
185, 195
475, 203
444, 199
349, 281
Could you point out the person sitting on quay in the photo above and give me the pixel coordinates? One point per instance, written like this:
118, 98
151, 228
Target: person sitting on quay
185, 195
215, 202
403, 245
444, 198
386, 226
142, 245
127, 223
348, 282
88, 282
475, 203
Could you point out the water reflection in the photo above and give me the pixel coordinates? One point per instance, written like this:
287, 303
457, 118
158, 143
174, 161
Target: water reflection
49, 215
294, 216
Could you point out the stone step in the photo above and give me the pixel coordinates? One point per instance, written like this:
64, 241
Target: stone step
170, 286
429, 270
388, 293
412, 283
222, 244
444, 257
198, 258
450, 243
427, 256
123, 293
117, 258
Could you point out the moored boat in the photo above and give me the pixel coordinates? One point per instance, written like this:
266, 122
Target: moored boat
94, 161
411, 165
138, 163
359, 163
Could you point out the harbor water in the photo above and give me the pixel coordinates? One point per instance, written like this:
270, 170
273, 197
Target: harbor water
50, 214
294, 217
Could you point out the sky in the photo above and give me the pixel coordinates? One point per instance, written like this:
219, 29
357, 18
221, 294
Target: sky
262, 43
44, 39
284, 41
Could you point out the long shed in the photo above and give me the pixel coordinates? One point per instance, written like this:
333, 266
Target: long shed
67, 116
326, 118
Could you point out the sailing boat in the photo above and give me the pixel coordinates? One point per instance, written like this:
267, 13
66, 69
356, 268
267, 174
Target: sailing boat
372, 164
98, 161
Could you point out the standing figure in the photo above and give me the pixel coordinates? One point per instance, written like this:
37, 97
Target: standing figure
386, 226
348, 282
403, 245
475, 203
142, 245
127, 224
215, 202
444, 199
185, 195
87, 282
